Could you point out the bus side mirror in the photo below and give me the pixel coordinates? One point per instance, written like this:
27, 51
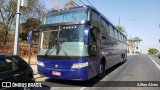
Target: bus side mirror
86, 34
30, 36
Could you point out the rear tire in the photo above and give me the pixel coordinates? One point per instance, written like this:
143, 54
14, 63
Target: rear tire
124, 58
101, 70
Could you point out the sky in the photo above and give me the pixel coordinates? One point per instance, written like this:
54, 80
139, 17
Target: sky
145, 12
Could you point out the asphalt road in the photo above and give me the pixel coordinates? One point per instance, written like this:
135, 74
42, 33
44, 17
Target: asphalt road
137, 68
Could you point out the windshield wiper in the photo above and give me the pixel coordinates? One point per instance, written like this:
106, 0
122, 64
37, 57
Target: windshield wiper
49, 49
59, 45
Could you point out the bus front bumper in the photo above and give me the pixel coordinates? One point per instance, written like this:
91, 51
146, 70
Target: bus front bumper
67, 74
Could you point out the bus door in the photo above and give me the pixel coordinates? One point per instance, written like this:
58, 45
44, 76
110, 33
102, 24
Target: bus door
93, 48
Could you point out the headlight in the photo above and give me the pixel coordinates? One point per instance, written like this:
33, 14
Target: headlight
40, 63
80, 65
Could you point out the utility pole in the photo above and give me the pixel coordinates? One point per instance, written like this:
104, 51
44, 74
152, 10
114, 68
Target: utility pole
16, 41
119, 21
17, 29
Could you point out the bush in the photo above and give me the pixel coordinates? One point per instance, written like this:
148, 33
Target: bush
137, 52
152, 51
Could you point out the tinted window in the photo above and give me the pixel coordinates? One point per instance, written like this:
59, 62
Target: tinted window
111, 31
94, 35
116, 34
122, 38
69, 16
5, 64
110, 42
23, 64
119, 34
95, 19
94, 40
105, 28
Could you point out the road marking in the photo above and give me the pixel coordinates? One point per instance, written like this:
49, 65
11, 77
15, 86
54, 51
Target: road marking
82, 88
155, 62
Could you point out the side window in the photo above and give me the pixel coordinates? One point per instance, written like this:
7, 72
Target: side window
95, 19
6, 64
122, 38
119, 36
110, 42
94, 41
22, 64
94, 35
105, 28
125, 40
116, 34
111, 31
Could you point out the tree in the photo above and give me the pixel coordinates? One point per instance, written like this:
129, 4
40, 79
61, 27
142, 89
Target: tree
133, 43
59, 4
135, 39
71, 3
152, 51
121, 28
29, 25
8, 11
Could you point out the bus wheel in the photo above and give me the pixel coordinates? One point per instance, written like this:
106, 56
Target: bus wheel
124, 58
101, 70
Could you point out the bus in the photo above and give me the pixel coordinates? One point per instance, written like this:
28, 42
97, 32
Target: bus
78, 43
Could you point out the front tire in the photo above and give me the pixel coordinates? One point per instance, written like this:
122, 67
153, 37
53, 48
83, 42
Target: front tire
101, 70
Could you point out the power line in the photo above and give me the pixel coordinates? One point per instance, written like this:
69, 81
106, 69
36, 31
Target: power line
74, 2
78, 3
82, 2
90, 3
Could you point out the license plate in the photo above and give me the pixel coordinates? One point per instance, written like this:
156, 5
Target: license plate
56, 73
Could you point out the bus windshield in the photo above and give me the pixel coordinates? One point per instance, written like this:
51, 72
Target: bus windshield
66, 16
71, 39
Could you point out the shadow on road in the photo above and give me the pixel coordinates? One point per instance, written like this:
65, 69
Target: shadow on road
68, 83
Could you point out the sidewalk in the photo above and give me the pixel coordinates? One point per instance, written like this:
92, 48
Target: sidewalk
156, 58
34, 67
33, 60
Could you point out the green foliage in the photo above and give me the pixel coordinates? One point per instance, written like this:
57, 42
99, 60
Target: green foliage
133, 43
135, 39
152, 51
137, 52
70, 4
121, 28
29, 25
8, 12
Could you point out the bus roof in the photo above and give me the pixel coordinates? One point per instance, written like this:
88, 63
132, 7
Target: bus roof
72, 8
86, 6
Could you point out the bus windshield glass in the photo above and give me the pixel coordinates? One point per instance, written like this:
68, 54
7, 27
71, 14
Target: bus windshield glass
69, 38
66, 16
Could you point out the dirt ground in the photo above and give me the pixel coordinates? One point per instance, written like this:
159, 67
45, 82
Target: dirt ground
33, 59
23, 51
